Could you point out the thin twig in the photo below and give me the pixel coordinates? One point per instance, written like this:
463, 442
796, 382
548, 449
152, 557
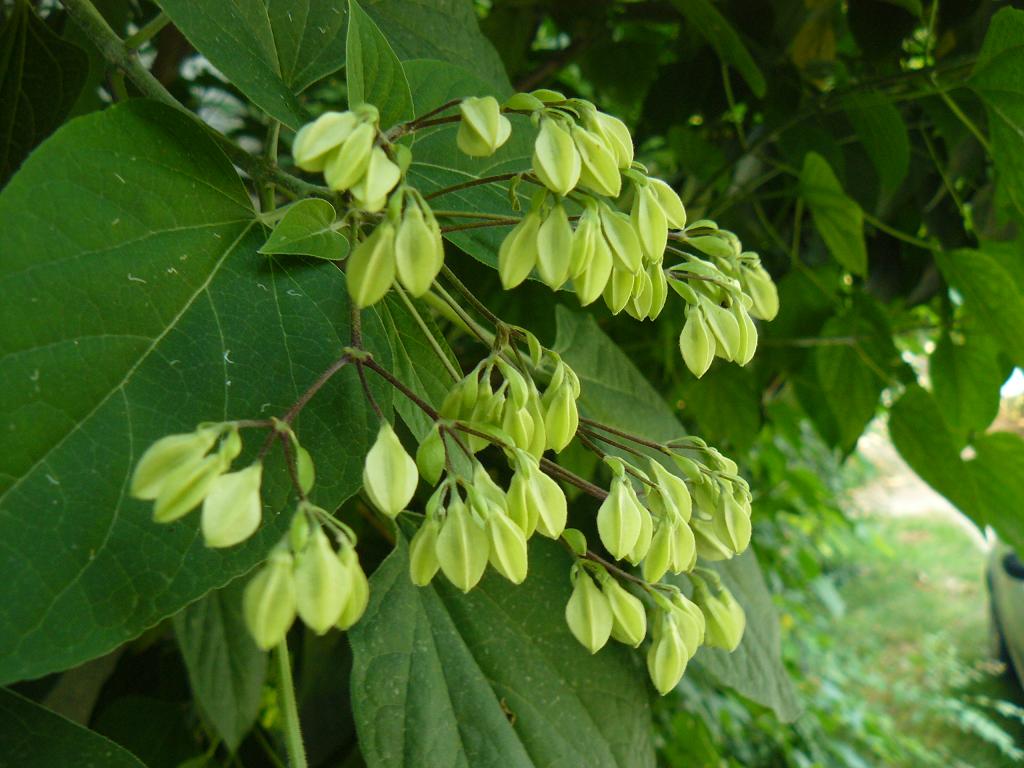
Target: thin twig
471, 183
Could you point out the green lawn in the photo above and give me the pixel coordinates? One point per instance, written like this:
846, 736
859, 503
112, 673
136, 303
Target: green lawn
916, 619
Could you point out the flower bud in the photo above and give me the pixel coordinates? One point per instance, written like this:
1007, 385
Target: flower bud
709, 545
167, 455
696, 343
748, 335
389, 474
667, 657
371, 267
649, 222
684, 548
462, 547
723, 327
507, 554
619, 289
556, 161
315, 141
591, 282
419, 252
588, 230
724, 616
232, 509
423, 562
673, 491
629, 619
732, 523
483, 128
757, 283
627, 252
534, 497
186, 487
614, 133
588, 613
358, 585
518, 253
518, 424
526, 102
321, 584
598, 170
659, 289
348, 165
668, 199
640, 298
268, 603
619, 519
430, 456
554, 247
370, 193
643, 540
561, 419
689, 621
659, 555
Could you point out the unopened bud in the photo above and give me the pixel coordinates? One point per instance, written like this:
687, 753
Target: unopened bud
164, 457
629, 619
588, 613
430, 456
232, 509
419, 252
615, 135
389, 474
667, 657
696, 342
627, 252
462, 547
668, 199
508, 553
268, 603
619, 519
724, 616
315, 141
591, 282
556, 161
554, 247
348, 165
517, 255
321, 584
659, 555
358, 586
186, 487
370, 193
483, 128
371, 267
759, 286
599, 171
423, 562
650, 223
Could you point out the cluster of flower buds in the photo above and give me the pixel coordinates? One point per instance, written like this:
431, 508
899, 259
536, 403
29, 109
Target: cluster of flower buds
180, 472
677, 631
600, 608
723, 294
406, 245
346, 148
482, 129
306, 577
724, 618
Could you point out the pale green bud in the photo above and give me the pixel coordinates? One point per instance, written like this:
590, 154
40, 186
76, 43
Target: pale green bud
619, 519
716, 245
462, 547
539, 439
358, 586
659, 555
430, 456
268, 603
614, 133
370, 193
667, 657
507, 554
732, 524
588, 613
591, 282
725, 619
321, 584
629, 619
622, 239
639, 303
684, 548
304, 467
547, 95
748, 335
521, 507
518, 389
556, 161
315, 141
167, 455
518, 253
389, 474
696, 342
598, 169
759, 286
525, 102
689, 621
709, 545
348, 165
561, 419
298, 531
649, 222
518, 424
673, 490
668, 199
554, 247
419, 252
371, 267
535, 498
186, 487
723, 327
483, 128
619, 289
659, 289
643, 540
584, 239
232, 509
423, 563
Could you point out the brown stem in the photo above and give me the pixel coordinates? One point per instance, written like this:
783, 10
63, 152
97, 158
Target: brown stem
629, 436
481, 225
289, 460
572, 478
471, 183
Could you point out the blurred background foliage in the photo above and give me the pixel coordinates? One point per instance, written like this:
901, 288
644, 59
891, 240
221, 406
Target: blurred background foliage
872, 152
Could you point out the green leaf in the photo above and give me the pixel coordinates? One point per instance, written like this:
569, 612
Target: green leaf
998, 79
445, 30
270, 51
415, 362
726, 405
225, 668
715, 28
373, 72
998, 472
838, 219
307, 229
41, 76
34, 737
990, 294
146, 312
966, 378
755, 668
614, 392
883, 133
491, 678
851, 369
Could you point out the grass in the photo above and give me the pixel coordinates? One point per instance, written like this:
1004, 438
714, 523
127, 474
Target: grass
917, 618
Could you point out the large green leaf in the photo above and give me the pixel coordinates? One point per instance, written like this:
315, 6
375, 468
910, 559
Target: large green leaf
41, 76
270, 51
147, 311
616, 393
491, 678
838, 218
998, 473
373, 72
990, 294
225, 668
34, 737
998, 79
713, 27
726, 403
883, 133
966, 378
